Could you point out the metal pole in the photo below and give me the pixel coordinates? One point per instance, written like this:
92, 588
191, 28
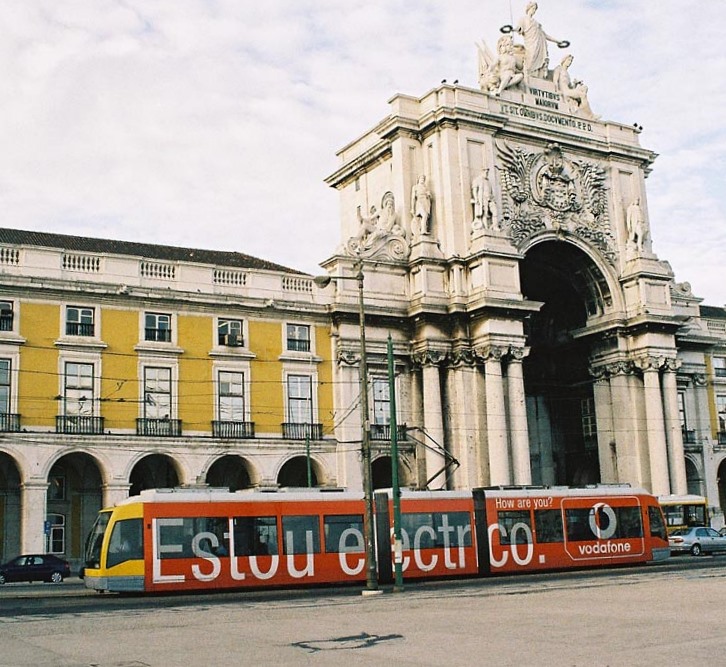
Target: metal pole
397, 543
371, 569
307, 460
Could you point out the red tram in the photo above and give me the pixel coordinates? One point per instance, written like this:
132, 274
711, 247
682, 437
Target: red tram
197, 539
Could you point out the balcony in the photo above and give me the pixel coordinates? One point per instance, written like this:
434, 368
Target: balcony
689, 437
9, 422
78, 425
722, 437
163, 428
298, 345
231, 340
293, 431
6, 321
158, 335
232, 429
80, 329
383, 432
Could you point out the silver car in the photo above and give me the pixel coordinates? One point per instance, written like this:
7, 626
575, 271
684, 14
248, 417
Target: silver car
696, 541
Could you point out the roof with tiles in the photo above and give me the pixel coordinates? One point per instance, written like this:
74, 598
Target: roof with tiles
145, 250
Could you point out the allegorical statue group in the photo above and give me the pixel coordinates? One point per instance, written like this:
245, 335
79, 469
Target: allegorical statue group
514, 64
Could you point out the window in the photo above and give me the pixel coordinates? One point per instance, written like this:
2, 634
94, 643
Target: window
231, 396
79, 321
657, 526
126, 543
299, 399
512, 522
298, 337
255, 536
57, 487
229, 333
548, 525
589, 424
78, 390
4, 386
682, 409
344, 533
6, 315
157, 327
157, 393
719, 366
301, 535
55, 534
176, 537
585, 524
437, 529
721, 410
381, 401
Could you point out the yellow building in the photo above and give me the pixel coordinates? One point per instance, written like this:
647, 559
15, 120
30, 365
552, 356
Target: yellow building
125, 366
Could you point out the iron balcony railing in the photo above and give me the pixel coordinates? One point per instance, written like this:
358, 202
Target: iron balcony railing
158, 335
232, 429
689, 437
298, 345
293, 431
722, 438
6, 322
383, 432
80, 329
159, 427
78, 425
9, 422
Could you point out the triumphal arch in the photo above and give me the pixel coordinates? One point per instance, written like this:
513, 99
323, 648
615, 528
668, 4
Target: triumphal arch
503, 232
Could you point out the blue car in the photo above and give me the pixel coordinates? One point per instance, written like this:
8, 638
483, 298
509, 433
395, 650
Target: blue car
35, 567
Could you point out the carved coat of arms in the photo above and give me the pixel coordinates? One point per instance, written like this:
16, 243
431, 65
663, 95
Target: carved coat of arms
546, 190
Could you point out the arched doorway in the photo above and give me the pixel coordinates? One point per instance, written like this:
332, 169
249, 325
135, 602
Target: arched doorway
558, 385
295, 473
721, 479
9, 508
693, 478
156, 471
230, 472
73, 500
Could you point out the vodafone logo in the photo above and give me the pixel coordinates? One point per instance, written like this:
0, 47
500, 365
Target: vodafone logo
608, 530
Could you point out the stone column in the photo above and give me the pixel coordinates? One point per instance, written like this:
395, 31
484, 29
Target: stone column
655, 427
499, 467
115, 492
33, 501
521, 466
626, 434
674, 435
433, 417
347, 389
606, 445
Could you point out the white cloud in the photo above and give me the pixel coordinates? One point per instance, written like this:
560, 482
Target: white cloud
212, 123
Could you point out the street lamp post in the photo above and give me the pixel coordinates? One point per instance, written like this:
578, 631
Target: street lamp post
368, 526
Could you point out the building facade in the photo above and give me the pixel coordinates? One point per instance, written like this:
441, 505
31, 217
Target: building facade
506, 245
126, 366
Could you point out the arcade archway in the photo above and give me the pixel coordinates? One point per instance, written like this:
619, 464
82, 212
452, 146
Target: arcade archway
558, 385
156, 471
9, 508
230, 472
295, 473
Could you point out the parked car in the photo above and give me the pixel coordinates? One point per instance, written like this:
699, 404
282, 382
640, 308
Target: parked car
696, 540
35, 567
722, 531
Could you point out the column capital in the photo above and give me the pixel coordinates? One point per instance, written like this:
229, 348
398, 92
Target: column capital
486, 353
462, 357
516, 354
608, 370
656, 362
429, 357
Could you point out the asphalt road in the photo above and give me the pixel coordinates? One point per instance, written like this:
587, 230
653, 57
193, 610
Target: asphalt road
668, 614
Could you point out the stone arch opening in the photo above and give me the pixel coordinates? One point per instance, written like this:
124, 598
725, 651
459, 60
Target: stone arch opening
694, 478
155, 471
295, 473
10, 515
721, 481
382, 474
557, 381
72, 502
232, 472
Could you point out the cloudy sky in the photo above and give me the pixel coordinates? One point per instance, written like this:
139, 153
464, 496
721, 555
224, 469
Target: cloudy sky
212, 123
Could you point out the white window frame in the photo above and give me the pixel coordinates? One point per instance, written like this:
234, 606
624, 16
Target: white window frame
147, 400
242, 333
310, 339
86, 401
306, 371
81, 312
172, 327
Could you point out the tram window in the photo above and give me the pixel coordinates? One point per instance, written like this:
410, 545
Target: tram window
126, 543
657, 526
450, 529
548, 526
255, 535
507, 521
334, 526
580, 523
301, 535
